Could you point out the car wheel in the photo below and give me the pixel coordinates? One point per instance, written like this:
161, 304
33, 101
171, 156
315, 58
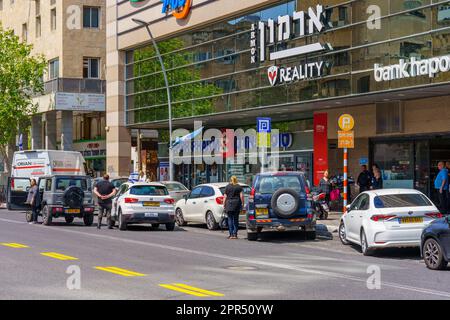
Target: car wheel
155, 226
29, 216
364, 245
111, 223
88, 220
433, 255
69, 219
122, 224
170, 226
179, 218
211, 222
343, 234
46, 216
310, 235
252, 235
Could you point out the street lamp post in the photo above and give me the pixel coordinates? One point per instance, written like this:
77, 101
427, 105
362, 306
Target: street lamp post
169, 100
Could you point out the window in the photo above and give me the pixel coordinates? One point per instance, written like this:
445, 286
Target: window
38, 26
38, 7
401, 201
195, 193
91, 68
48, 185
53, 19
24, 32
54, 69
1, 4
207, 192
149, 191
91, 17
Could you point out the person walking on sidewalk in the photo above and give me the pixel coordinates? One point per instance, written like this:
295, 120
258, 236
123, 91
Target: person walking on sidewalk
364, 179
233, 202
441, 186
33, 200
105, 191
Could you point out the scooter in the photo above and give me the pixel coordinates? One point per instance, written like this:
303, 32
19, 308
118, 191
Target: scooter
320, 205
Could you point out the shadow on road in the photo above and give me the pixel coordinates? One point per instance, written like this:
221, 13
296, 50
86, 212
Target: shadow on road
393, 253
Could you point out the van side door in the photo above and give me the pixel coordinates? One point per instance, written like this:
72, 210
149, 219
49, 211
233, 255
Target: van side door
17, 194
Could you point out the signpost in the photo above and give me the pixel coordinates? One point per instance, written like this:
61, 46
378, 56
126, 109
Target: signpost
263, 130
346, 140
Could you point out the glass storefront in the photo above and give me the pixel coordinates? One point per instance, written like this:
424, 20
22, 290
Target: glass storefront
209, 68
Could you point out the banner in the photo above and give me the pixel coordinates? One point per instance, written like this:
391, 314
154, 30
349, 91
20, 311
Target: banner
320, 146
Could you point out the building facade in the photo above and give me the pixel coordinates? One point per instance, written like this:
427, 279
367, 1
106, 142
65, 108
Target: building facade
71, 34
301, 63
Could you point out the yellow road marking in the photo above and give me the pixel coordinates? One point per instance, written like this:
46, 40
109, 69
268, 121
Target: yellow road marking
184, 288
121, 272
58, 256
14, 245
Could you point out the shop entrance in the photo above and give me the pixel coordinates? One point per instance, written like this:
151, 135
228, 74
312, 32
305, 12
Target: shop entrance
411, 163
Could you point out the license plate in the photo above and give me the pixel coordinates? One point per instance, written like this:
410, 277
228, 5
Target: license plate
151, 215
73, 210
411, 220
151, 204
262, 211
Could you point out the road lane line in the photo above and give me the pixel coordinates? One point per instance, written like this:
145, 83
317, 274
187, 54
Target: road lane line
14, 245
58, 256
297, 268
174, 288
207, 292
121, 272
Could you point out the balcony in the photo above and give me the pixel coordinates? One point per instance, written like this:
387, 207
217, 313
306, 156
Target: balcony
75, 85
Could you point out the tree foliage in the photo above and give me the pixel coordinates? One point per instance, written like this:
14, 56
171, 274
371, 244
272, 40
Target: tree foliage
21, 75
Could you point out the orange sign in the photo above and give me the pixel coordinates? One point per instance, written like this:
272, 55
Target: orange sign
346, 139
346, 122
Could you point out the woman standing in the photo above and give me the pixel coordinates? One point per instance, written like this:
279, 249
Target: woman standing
325, 186
32, 200
233, 200
377, 180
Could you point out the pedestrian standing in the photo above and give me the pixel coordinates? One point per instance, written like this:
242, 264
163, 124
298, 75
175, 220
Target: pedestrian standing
447, 165
325, 186
105, 191
364, 179
377, 180
142, 176
33, 200
441, 186
233, 202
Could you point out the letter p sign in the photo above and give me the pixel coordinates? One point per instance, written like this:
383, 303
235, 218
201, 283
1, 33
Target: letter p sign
346, 122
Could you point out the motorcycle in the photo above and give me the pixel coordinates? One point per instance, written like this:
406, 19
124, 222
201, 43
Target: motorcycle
320, 205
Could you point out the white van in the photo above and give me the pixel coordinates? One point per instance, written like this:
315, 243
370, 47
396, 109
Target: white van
37, 163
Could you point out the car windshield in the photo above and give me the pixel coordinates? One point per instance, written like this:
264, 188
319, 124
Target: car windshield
245, 189
270, 184
118, 182
63, 183
149, 191
175, 187
401, 201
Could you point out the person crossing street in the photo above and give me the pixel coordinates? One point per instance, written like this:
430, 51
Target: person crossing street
105, 191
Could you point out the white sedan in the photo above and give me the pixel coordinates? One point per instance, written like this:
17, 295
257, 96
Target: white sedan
204, 204
387, 218
143, 203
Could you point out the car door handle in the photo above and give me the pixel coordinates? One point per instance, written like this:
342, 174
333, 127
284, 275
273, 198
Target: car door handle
206, 201
194, 202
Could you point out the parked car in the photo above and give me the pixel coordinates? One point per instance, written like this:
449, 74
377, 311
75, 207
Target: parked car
176, 189
387, 218
280, 201
204, 204
64, 196
143, 202
117, 182
435, 244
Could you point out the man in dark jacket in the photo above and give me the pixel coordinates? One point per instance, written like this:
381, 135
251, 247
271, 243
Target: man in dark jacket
364, 179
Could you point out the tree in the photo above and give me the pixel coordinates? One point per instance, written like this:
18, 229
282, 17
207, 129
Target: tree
21, 75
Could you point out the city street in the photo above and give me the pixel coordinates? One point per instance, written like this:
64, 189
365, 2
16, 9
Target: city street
194, 263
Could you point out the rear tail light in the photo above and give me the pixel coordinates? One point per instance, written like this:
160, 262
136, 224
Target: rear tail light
219, 200
169, 201
131, 200
251, 217
57, 209
382, 217
310, 215
434, 215
90, 209
252, 194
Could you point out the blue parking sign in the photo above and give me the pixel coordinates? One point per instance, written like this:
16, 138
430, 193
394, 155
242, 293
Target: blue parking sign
263, 125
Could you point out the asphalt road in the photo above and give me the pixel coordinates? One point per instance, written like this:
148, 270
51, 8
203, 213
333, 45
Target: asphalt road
36, 262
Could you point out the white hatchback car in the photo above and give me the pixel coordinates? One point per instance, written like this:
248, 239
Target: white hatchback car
387, 218
204, 204
142, 202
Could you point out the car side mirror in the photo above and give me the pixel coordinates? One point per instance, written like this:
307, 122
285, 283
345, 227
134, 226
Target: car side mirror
348, 207
186, 196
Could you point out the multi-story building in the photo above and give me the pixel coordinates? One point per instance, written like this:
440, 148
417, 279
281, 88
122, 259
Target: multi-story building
301, 63
71, 34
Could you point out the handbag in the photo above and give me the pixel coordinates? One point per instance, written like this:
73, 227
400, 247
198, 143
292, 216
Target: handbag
335, 195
